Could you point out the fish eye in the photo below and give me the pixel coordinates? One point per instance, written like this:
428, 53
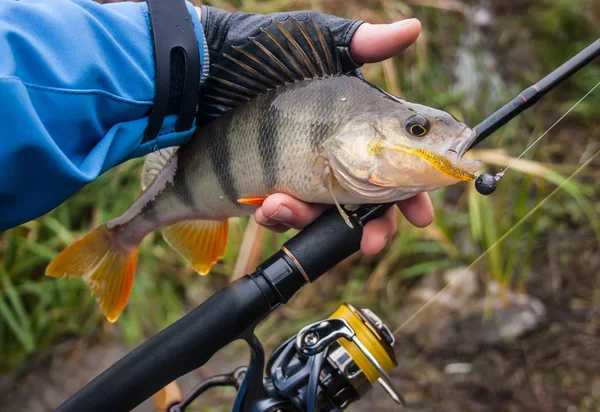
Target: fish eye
417, 126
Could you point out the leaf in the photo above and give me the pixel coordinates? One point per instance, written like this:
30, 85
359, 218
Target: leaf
16, 319
59, 229
424, 268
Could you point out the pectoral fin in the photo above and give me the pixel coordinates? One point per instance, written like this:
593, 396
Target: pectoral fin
254, 201
201, 242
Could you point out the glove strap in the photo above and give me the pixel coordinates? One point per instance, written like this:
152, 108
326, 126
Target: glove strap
177, 62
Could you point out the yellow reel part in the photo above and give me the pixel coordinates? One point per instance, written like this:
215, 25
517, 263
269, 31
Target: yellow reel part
370, 338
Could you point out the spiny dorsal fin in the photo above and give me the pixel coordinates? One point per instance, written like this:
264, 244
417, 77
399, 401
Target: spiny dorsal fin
154, 163
284, 52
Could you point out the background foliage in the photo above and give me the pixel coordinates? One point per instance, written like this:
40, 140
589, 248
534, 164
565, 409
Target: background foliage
471, 57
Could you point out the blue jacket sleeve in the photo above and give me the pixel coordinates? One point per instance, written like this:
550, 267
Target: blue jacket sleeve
76, 87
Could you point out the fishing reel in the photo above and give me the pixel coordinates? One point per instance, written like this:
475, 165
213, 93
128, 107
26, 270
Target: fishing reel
325, 367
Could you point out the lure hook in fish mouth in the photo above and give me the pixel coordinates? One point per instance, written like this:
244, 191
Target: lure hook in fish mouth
458, 146
455, 168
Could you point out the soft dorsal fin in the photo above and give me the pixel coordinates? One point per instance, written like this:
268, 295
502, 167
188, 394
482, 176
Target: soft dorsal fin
284, 52
154, 163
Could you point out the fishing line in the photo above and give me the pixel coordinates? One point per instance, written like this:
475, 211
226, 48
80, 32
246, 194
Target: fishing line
500, 240
501, 174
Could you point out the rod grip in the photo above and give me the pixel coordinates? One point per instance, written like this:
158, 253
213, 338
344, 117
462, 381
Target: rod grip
329, 240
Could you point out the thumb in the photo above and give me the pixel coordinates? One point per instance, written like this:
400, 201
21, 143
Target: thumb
377, 42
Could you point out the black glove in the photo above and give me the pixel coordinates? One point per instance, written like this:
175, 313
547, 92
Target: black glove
223, 29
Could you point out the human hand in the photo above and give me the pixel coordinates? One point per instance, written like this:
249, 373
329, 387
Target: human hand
280, 212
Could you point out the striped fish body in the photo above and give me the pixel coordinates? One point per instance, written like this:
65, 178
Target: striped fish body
292, 123
273, 145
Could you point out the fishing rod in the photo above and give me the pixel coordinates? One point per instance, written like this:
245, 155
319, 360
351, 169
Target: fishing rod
308, 372
486, 183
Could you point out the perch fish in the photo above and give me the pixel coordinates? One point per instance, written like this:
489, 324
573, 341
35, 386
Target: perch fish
292, 123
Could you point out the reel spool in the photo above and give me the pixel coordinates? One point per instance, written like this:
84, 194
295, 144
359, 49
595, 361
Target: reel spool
373, 334
334, 362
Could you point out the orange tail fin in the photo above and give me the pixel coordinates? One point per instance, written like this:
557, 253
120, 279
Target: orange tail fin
106, 267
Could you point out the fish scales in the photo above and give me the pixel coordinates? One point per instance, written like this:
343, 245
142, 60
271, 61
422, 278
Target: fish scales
272, 144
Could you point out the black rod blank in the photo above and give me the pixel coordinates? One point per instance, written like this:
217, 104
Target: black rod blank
534, 93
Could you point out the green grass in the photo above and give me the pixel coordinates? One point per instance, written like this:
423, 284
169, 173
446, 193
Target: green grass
36, 311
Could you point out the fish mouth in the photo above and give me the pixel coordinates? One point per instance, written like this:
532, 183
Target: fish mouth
458, 147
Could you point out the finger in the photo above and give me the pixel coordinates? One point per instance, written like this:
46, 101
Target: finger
377, 42
275, 227
418, 209
282, 210
378, 232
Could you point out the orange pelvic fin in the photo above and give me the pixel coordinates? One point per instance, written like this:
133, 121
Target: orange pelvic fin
201, 242
106, 266
254, 201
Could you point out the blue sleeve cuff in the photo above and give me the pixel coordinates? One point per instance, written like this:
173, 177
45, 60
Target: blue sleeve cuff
167, 136
79, 77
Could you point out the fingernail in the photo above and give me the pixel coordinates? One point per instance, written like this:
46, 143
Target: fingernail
282, 214
405, 22
269, 223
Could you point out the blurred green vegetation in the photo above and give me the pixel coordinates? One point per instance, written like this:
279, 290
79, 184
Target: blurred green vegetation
459, 64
